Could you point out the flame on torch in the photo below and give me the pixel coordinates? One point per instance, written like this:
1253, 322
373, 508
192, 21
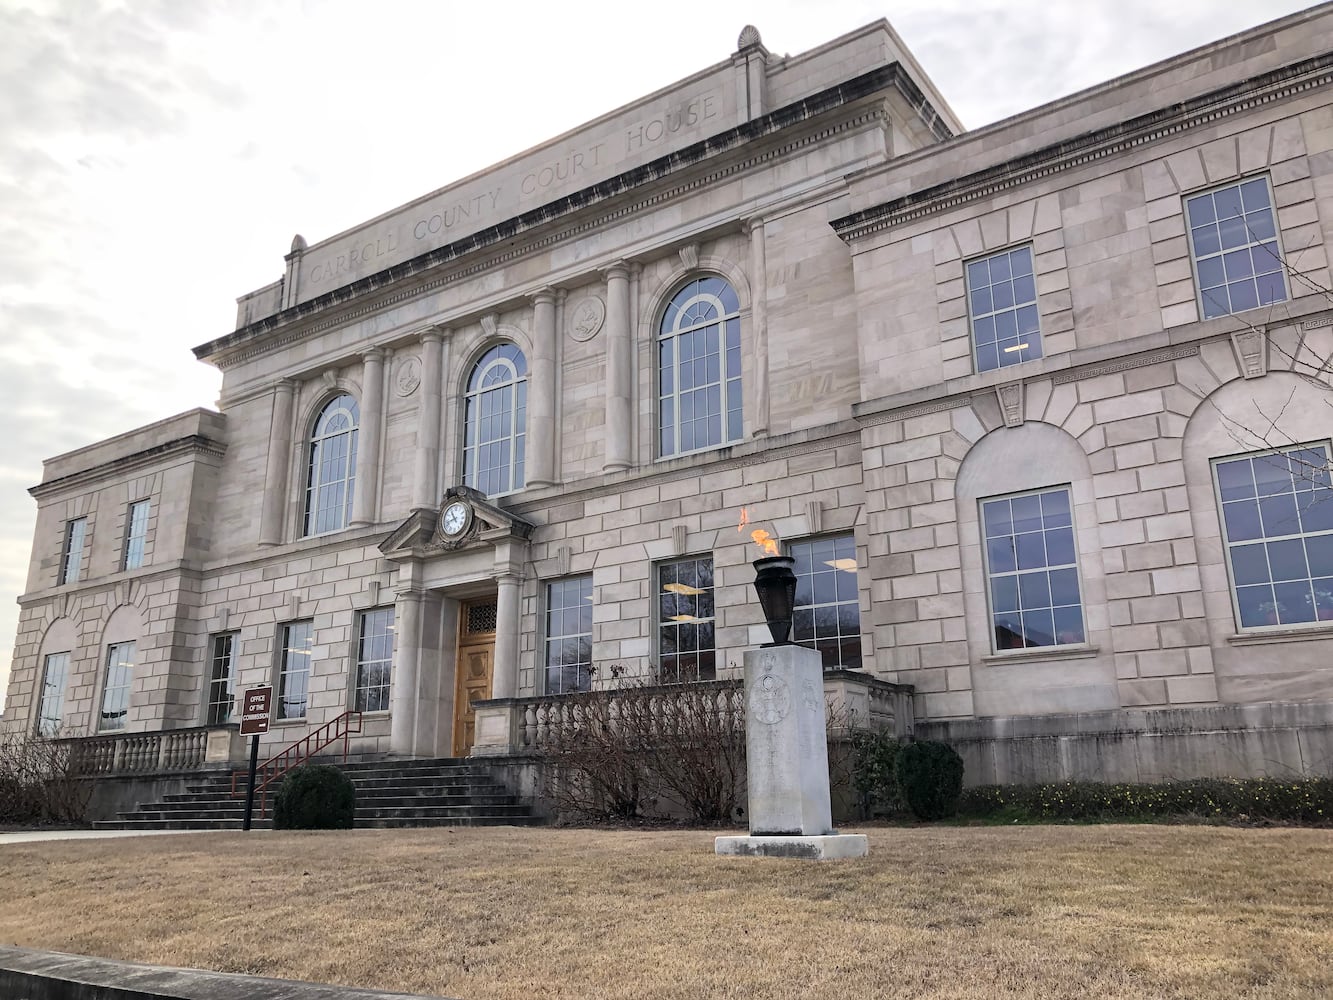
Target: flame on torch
761, 537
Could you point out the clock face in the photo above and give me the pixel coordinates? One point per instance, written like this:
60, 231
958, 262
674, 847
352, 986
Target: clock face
455, 518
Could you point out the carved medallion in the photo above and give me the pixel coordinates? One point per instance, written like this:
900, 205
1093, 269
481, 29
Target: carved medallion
770, 701
409, 375
586, 318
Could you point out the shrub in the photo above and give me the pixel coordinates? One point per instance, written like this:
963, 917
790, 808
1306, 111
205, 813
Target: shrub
39, 782
314, 797
1306, 800
617, 753
873, 757
930, 778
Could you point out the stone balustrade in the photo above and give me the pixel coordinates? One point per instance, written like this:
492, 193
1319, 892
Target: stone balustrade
155, 752
519, 726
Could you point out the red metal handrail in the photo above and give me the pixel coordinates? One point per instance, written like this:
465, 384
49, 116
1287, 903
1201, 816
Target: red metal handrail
295, 754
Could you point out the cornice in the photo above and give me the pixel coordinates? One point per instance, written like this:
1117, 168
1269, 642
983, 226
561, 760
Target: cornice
1154, 126
240, 346
192, 444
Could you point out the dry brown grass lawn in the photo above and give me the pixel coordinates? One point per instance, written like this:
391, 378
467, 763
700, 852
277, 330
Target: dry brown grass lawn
1110, 911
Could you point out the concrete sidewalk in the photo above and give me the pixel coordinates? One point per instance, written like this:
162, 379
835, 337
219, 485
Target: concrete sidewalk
32, 836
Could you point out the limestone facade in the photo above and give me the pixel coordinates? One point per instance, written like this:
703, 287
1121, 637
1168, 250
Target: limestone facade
843, 208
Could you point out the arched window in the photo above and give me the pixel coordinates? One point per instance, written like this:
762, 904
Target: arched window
496, 421
332, 467
699, 368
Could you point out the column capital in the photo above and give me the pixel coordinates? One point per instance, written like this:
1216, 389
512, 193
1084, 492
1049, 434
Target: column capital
435, 333
616, 270
753, 223
287, 385
545, 294
374, 355
408, 596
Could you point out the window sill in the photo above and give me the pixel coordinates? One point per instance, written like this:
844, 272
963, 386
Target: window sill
1282, 635
1040, 654
290, 722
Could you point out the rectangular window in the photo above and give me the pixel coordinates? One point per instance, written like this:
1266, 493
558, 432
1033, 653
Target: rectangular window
1277, 523
221, 680
116, 692
569, 635
374, 661
52, 707
294, 673
1032, 570
827, 613
1002, 303
72, 559
136, 532
685, 621
1233, 240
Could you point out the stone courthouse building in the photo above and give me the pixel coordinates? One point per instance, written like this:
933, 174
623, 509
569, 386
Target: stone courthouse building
1040, 409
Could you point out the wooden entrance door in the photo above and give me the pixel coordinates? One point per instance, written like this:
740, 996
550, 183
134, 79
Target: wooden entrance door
472, 668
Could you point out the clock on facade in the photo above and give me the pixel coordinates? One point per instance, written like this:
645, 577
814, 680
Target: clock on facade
455, 519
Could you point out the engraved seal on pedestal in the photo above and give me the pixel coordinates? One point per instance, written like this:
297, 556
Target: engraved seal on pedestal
586, 318
770, 700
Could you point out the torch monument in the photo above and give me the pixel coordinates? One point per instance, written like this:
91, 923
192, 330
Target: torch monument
785, 735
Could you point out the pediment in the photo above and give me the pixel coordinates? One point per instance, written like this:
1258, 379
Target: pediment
420, 535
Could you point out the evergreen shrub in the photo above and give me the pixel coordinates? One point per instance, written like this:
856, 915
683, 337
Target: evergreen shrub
930, 778
314, 797
1305, 800
873, 756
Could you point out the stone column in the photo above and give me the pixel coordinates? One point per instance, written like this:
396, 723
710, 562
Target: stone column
619, 369
368, 438
279, 461
426, 473
504, 678
759, 326
403, 682
540, 459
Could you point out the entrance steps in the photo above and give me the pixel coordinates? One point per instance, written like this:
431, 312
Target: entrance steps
389, 793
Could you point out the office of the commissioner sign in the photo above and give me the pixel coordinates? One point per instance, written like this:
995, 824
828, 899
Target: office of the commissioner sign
256, 704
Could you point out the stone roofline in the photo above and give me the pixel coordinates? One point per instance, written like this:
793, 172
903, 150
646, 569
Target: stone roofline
198, 422
892, 77
1175, 90
1266, 88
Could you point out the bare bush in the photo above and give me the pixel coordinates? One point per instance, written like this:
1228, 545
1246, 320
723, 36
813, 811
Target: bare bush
39, 782
619, 754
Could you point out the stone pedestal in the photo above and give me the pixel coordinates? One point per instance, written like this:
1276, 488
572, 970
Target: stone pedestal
787, 760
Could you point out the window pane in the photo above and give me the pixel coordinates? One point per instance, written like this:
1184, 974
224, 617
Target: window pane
1031, 603
1282, 536
1239, 245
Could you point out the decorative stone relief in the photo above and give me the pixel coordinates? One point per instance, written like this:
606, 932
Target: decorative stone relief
293, 606
689, 256
488, 324
409, 375
1011, 403
678, 536
770, 701
373, 589
587, 318
563, 555
224, 619
1249, 345
329, 378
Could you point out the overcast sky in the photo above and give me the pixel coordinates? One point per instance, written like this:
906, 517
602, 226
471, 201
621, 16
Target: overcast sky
157, 156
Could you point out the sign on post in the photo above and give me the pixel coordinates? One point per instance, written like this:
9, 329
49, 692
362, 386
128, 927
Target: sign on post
255, 709
255, 705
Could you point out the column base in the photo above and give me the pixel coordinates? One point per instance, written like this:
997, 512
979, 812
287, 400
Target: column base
831, 847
